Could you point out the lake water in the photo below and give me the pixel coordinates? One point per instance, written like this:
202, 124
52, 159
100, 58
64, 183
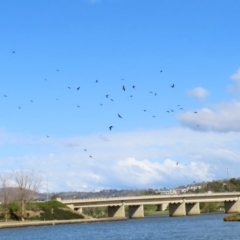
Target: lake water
204, 226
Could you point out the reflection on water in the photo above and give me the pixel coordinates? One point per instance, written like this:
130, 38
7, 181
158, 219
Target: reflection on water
204, 226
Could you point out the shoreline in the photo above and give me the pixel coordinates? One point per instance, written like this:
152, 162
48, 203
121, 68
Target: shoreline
19, 224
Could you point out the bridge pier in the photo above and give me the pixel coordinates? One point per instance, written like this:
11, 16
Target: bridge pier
78, 209
136, 211
192, 209
162, 207
177, 209
116, 211
232, 206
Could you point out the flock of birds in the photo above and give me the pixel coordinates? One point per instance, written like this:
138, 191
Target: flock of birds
108, 97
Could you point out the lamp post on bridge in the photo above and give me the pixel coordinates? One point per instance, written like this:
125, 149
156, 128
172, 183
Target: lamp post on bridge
228, 180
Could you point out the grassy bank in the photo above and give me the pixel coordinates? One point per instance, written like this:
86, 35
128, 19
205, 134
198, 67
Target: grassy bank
51, 210
232, 217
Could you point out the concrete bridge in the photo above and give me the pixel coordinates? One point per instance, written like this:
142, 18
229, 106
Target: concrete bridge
179, 204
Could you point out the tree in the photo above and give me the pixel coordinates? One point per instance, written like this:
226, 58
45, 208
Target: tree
27, 184
5, 196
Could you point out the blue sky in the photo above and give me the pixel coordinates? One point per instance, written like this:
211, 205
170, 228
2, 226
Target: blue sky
50, 48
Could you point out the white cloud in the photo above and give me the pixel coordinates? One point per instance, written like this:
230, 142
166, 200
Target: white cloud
198, 92
236, 86
236, 76
141, 159
222, 117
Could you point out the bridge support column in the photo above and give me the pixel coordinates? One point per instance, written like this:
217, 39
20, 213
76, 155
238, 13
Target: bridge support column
232, 206
192, 209
136, 211
177, 209
162, 207
116, 211
78, 209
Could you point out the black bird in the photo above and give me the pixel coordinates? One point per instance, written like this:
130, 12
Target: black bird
85, 149
133, 86
119, 116
90, 156
110, 128
5, 95
123, 88
78, 88
107, 96
31, 100
131, 96
172, 110
69, 87
19, 107
96, 81
45, 79
153, 116
78, 106
101, 104
47, 136
57, 70
144, 110
155, 94
151, 92
111, 99
122, 79
167, 111
195, 112
57, 99
177, 163
13, 51
161, 71
181, 108
172, 86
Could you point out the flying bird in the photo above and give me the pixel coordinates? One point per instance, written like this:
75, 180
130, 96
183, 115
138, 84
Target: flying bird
119, 116
78, 106
69, 87
57, 70
47, 136
111, 99
5, 95
101, 104
19, 107
195, 112
107, 96
110, 128
96, 81
131, 96
85, 149
122, 79
172, 86
144, 110
133, 86
78, 88
160, 71
123, 88
31, 100
90, 156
